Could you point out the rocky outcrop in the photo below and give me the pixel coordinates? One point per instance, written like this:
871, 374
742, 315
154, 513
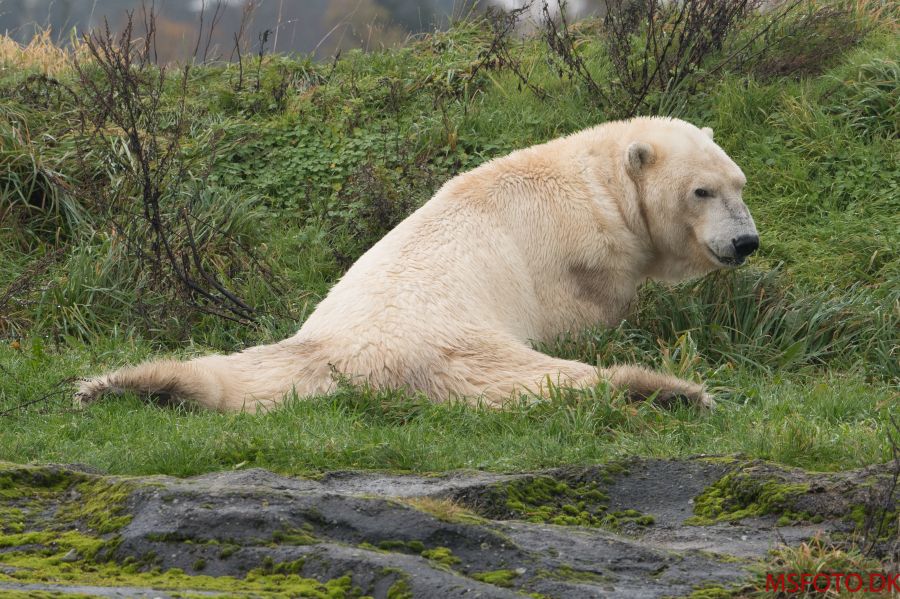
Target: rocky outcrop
641, 528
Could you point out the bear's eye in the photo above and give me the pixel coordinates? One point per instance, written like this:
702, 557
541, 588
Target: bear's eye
702, 193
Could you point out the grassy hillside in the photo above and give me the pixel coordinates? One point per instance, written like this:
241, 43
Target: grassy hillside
210, 208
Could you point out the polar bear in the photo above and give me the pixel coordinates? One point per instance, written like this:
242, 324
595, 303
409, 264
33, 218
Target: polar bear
549, 239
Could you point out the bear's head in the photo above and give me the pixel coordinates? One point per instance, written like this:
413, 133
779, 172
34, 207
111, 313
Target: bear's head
689, 192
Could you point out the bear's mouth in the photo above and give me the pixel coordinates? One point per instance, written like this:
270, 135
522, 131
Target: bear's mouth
729, 261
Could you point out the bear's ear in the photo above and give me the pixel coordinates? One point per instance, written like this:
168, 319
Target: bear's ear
708, 131
637, 156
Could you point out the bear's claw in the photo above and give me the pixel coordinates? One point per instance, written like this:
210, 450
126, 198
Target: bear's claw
89, 390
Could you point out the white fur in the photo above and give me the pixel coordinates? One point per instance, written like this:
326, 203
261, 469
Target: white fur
549, 239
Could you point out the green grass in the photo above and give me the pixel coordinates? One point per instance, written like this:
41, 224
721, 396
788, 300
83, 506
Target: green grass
826, 422
801, 348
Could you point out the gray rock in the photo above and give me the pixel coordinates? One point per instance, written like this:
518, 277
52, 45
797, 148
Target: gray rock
569, 532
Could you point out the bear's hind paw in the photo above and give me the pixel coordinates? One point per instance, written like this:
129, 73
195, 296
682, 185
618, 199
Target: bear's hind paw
89, 391
700, 399
706, 401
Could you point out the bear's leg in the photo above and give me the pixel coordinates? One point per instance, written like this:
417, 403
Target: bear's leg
258, 377
643, 383
168, 380
509, 369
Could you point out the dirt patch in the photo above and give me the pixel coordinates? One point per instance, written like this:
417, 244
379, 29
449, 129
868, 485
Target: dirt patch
640, 528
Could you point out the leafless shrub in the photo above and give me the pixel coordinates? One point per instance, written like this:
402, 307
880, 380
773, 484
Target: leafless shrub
562, 42
240, 41
498, 53
263, 40
121, 97
218, 13
660, 52
677, 39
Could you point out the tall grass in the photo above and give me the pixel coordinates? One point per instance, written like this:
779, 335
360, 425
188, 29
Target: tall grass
868, 96
754, 321
34, 195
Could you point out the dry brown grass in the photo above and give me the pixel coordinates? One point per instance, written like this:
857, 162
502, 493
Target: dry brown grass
881, 11
818, 556
40, 54
442, 509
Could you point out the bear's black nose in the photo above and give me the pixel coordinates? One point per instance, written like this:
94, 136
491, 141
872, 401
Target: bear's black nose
745, 245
